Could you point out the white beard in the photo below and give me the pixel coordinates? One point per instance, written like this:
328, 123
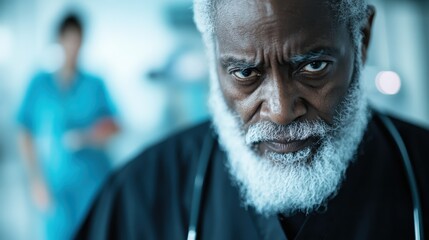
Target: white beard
294, 184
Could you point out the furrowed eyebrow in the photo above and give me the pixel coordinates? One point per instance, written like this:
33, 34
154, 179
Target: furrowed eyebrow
230, 61
310, 56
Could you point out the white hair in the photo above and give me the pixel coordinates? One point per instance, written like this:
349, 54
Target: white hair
351, 12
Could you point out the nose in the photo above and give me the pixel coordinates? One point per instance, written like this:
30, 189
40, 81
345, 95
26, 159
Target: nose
282, 101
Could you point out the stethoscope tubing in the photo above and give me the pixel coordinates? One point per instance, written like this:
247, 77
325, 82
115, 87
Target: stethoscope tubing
411, 177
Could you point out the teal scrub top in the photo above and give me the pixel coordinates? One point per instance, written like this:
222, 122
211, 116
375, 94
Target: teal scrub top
47, 113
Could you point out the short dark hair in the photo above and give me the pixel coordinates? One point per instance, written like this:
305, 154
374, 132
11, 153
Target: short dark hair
71, 20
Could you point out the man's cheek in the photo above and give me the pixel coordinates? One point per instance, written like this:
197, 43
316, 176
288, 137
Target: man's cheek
229, 93
329, 102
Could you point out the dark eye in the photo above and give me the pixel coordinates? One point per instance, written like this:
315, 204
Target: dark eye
315, 66
246, 73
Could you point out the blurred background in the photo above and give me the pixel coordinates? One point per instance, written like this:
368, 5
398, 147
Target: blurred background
151, 59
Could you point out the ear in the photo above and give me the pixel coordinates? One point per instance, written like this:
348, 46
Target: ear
366, 32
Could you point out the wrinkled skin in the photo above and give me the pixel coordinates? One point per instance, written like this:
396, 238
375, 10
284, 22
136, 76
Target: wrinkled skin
283, 61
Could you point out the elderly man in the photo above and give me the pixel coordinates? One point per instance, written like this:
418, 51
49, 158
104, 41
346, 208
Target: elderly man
300, 154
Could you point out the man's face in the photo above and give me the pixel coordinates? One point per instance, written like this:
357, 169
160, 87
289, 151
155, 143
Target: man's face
286, 101
282, 61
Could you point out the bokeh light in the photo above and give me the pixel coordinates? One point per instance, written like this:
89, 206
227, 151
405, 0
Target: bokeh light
388, 82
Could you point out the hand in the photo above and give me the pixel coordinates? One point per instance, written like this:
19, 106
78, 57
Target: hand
103, 130
41, 195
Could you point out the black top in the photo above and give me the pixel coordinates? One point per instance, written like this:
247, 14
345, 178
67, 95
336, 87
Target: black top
150, 197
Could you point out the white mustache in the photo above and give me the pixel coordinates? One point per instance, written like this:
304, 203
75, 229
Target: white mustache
269, 131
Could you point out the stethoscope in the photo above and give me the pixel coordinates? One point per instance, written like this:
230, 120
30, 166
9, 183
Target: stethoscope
207, 149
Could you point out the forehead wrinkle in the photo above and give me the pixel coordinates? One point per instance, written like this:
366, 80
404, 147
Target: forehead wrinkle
312, 55
239, 60
265, 38
266, 55
268, 8
230, 60
266, 25
280, 55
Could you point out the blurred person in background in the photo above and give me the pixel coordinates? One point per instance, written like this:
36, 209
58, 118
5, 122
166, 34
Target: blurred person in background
66, 119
